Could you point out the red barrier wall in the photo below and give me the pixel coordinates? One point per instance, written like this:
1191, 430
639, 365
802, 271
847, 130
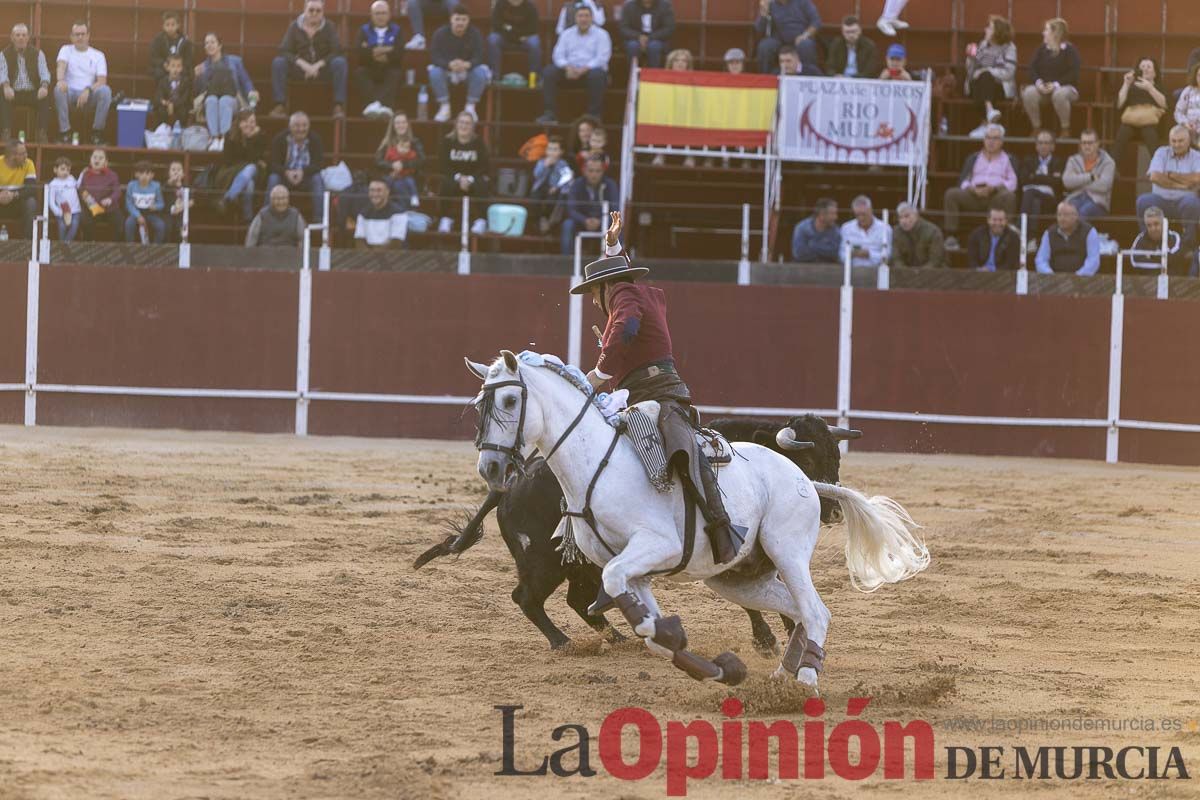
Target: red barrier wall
12, 340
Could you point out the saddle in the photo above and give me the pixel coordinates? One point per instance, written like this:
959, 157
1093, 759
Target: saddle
641, 427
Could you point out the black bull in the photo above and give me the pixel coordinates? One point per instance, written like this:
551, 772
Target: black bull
528, 514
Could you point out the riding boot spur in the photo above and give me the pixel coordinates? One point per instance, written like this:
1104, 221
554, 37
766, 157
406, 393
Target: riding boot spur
725, 537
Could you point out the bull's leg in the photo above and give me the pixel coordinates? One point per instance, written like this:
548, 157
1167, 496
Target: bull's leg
531, 597
764, 638
581, 588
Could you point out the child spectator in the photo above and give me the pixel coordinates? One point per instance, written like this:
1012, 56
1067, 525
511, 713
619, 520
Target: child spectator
735, 61
551, 175
897, 65
170, 42
101, 192
173, 198
64, 200
144, 205
597, 141
173, 97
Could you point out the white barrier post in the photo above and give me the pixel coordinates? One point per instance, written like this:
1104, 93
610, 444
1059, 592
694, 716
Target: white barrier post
325, 256
1164, 280
464, 253
575, 308
1112, 446
845, 329
304, 330
1023, 272
185, 247
32, 305
744, 263
43, 254
883, 278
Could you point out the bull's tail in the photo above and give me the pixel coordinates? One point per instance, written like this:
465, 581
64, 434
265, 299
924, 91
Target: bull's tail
466, 533
882, 543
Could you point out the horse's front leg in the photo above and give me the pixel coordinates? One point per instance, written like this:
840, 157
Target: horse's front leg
625, 580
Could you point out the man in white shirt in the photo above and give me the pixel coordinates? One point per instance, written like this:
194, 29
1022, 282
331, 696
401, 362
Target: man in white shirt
582, 54
82, 83
865, 236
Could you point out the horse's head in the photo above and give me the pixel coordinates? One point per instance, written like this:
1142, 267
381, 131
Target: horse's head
508, 420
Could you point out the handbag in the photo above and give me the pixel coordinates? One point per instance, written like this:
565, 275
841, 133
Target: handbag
195, 137
337, 178
1142, 115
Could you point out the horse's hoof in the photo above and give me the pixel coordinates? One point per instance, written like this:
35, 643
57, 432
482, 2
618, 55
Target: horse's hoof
614, 636
563, 645
733, 671
767, 647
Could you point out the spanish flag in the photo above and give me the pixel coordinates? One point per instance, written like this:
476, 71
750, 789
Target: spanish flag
711, 109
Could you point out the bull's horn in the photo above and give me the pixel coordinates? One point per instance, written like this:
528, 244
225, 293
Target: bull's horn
845, 433
786, 439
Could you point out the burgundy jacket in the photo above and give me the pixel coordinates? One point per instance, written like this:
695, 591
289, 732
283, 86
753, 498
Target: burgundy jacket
636, 333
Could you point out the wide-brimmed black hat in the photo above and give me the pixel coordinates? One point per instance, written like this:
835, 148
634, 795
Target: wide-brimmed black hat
606, 269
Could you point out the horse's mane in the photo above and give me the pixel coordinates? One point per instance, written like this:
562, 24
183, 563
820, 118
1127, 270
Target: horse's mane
572, 375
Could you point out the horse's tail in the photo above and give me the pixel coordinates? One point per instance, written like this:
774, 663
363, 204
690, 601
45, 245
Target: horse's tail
882, 543
464, 534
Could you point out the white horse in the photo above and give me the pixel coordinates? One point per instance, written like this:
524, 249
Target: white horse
636, 531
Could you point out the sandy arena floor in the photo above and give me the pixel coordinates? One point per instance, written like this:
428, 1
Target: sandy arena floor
231, 616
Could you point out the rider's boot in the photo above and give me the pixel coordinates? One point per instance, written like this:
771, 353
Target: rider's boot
725, 537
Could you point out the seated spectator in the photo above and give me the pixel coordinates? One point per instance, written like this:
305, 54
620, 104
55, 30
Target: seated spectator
170, 41
1041, 180
597, 142
310, 51
416, 11
988, 179
1055, 73
466, 170
788, 22
24, 81
582, 54
1148, 246
172, 97
581, 140
916, 242
18, 190
456, 56
380, 61
735, 61
566, 15
1142, 104
852, 55
172, 191
1070, 245
380, 224
82, 83
144, 205
994, 245
227, 87
646, 27
680, 60
1175, 173
865, 237
1187, 108
551, 177
1088, 177
63, 200
243, 161
818, 239
897, 64
992, 71
101, 192
515, 27
400, 154
278, 224
295, 160
585, 203
789, 61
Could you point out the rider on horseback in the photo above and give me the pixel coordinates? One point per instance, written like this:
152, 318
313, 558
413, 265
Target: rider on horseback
636, 355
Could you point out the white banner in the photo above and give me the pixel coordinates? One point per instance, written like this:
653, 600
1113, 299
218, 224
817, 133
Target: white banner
853, 121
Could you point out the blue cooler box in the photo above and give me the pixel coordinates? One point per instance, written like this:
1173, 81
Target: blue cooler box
131, 123
506, 219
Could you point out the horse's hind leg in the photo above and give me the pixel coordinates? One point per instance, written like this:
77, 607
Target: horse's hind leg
582, 586
790, 551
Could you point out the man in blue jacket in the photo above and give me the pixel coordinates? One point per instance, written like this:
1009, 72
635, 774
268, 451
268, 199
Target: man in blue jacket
380, 57
794, 22
585, 203
818, 239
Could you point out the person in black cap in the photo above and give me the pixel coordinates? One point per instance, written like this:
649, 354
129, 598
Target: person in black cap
636, 354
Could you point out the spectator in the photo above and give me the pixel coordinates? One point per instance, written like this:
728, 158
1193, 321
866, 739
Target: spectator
295, 160
456, 56
401, 155
1142, 104
818, 239
18, 189
24, 81
381, 224
63, 200
582, 127
1148, 246
992, 71
897, 64
1088, 177
173, 199
416, 10
1187, 108
310, 50
83, 83
466, 170
144, 206
227, 88
173, 96
788, 22
988, 179
735, 61
278, 224
1070, 245
243, 160
170, 41
916, 242
585, 203
1055, 72
596, 144
380, 61
680, 60
852, 55
865, 237
101, 192
515, 27
994, 245
566, 15
582, 53
1040, 177
646, 27
789, 61
551, 176
1175, 173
